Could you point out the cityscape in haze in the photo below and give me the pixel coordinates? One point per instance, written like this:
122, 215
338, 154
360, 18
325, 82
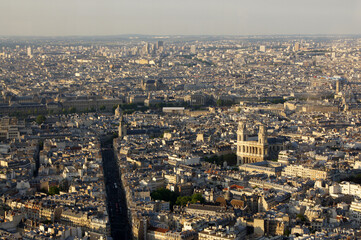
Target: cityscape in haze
180, 120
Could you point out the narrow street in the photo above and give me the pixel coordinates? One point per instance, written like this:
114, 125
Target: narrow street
116, 202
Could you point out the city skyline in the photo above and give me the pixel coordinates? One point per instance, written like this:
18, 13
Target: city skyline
192, 138
191, 120
160, 17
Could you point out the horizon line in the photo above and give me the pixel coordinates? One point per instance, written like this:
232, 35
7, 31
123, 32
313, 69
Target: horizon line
183, 35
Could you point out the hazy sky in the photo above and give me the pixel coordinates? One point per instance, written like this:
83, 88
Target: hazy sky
186, 17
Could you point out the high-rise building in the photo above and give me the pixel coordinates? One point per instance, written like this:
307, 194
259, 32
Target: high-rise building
29, 52
297, 47
193, 49
262, 48
145, 49
159, 44
151, 48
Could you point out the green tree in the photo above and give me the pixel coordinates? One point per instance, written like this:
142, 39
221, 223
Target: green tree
40, 119
165, 195
182, 201
102, 108
301, 217
230, 158
72, 110
354, 179
53, 190
197, 198
64, 185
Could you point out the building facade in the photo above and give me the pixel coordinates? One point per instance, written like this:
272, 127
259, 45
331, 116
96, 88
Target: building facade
306, 172
256, 149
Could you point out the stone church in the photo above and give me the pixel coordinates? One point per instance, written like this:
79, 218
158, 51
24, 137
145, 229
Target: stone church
258, 148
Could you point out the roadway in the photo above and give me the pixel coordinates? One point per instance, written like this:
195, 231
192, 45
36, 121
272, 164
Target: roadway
116, 203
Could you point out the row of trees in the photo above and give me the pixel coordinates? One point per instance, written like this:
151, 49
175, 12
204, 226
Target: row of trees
355, 179
24, 114
230, 158
195, 198
175, 199
53, 190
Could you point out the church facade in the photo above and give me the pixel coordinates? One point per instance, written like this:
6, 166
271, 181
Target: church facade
251, 149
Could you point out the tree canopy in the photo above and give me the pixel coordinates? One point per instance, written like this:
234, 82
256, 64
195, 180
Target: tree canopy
165, 195
40, 119
195, 198
53, 190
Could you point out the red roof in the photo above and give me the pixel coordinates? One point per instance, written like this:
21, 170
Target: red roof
155, 229
236, 186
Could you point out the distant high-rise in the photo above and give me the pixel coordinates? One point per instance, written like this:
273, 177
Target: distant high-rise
151, 48
145, 49
262, 48
297, 47
193, 49
159, 44
29, 52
